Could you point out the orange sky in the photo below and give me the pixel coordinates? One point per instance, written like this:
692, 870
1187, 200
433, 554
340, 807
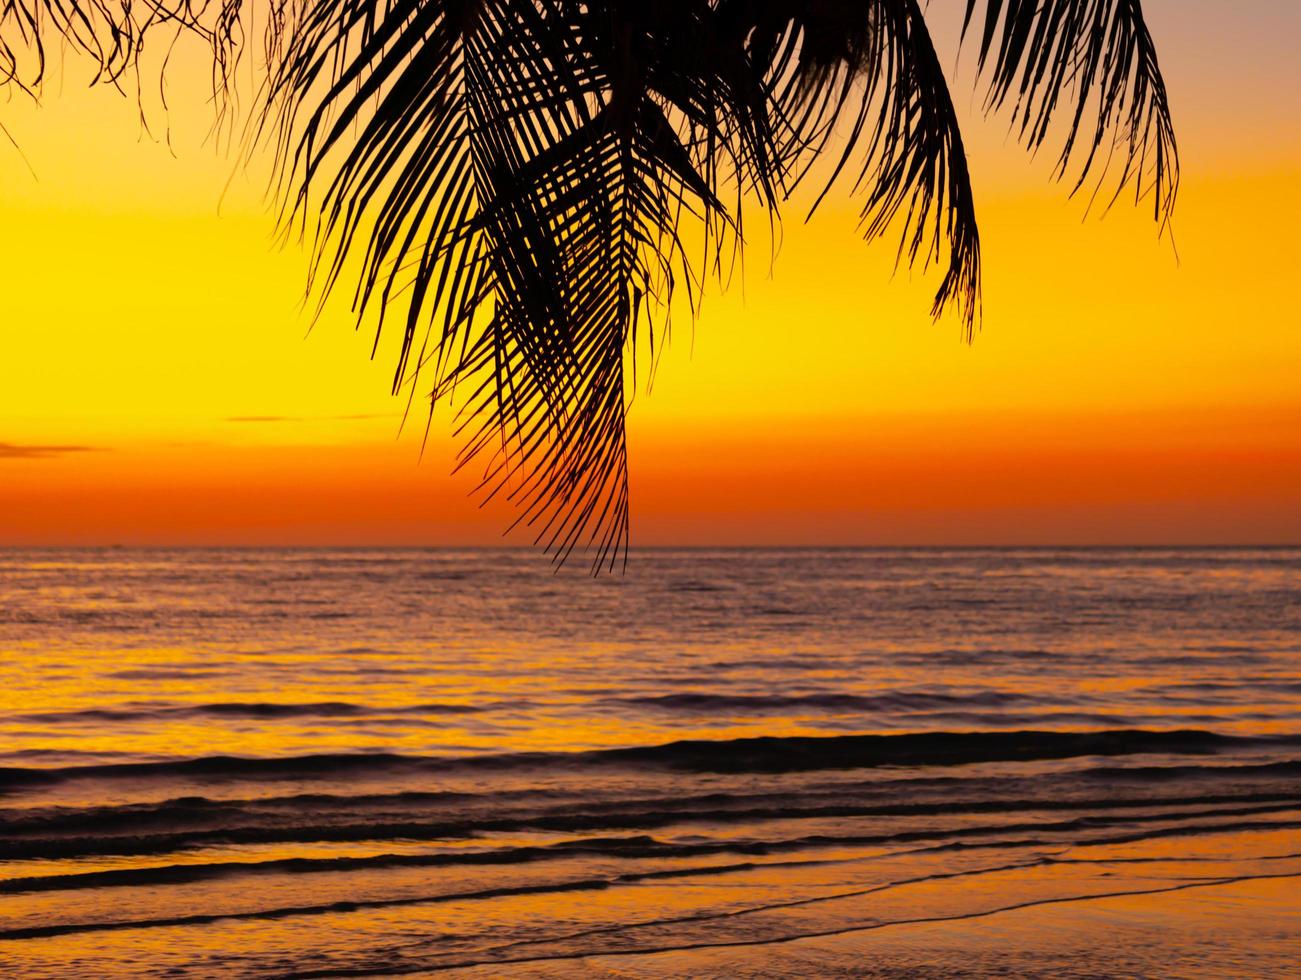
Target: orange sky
157, 384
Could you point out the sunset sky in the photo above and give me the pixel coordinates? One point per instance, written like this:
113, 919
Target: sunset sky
158, 383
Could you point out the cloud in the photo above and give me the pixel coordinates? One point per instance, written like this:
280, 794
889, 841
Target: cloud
10, 450
306, 418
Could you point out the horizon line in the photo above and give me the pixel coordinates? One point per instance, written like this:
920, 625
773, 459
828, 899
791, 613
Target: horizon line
1117, 546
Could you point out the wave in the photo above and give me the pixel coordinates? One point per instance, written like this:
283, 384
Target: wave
1032, 836
629, 847
808, 753
1152, 774
703, 701
769, 664
207, 918
640, 846
762, 754
239, 709
1250, 783
90, 842
1075, 789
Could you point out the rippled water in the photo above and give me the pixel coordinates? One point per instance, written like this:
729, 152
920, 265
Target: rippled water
271, 763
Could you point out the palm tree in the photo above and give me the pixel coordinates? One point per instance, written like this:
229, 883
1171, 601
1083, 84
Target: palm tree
524, 183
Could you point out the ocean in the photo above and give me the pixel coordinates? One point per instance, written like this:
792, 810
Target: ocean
733, 763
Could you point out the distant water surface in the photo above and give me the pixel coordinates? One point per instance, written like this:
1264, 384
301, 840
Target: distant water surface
725, 762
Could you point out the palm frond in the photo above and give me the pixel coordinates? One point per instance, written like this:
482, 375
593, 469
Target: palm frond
516, 180
1094, 61
27, 27
878, 72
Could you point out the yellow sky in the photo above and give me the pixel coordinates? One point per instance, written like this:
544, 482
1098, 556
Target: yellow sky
1114, 394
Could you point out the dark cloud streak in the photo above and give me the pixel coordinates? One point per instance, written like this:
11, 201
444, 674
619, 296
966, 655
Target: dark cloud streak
10, 450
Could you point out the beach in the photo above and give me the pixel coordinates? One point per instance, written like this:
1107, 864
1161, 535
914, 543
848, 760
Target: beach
734, 763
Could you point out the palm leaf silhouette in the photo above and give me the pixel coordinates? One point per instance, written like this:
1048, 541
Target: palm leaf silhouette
525, 184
